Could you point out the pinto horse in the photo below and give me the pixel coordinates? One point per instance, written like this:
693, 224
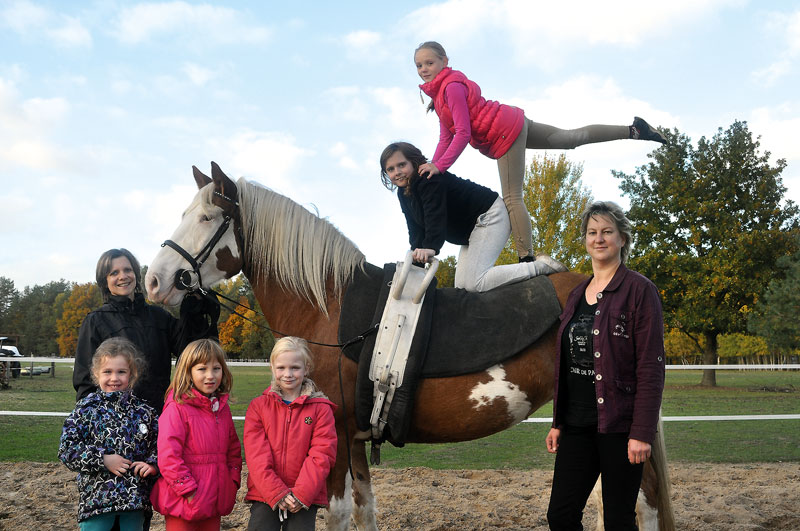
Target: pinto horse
299, 267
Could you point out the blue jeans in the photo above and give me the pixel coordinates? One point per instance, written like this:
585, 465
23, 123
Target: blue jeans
475, 270
583, 455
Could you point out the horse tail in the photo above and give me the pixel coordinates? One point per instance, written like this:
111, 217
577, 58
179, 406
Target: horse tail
658, 460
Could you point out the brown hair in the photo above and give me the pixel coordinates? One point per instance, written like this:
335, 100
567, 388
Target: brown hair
118, 346
104, 268
410, 152
200, 351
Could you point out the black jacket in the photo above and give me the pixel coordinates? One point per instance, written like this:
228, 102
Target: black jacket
443, 208
157, 334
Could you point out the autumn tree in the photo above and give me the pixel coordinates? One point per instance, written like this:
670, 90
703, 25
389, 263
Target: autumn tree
709, 225
775, 316
79, 302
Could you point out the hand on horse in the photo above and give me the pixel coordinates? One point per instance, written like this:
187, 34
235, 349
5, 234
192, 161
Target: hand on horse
638, 451
551, 441
428, 170
116, 464
423, 256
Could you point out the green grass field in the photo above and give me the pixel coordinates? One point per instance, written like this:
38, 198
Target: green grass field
521, 447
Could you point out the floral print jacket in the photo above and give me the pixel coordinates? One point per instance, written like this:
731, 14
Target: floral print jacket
109, 423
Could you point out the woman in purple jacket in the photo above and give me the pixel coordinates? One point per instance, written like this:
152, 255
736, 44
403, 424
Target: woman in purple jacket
609, 379
501, 132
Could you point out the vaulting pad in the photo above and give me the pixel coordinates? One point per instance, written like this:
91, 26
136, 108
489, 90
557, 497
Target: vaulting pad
469, 331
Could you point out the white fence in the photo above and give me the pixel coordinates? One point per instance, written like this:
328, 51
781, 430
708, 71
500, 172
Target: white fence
788, 366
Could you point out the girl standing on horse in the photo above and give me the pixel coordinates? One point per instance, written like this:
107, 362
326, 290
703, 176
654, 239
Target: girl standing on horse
500, 132
110, 440
447, 208
198, 449
290, 443
609, 378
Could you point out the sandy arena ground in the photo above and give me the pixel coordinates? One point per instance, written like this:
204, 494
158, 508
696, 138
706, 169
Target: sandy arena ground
705, 497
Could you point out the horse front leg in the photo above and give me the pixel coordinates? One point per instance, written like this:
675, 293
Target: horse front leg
364, 512
340, 499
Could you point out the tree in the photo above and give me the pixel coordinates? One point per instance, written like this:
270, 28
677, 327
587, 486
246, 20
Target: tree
8, 295
33, 316
709, 226
555, 198
81, 300
775, 315
446, 273
242, 334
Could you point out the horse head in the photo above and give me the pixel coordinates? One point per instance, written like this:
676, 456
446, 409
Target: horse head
207, 245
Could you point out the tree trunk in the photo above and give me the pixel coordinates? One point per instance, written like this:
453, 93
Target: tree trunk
710, 358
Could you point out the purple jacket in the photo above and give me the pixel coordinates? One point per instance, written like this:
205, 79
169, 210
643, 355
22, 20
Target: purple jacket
628, 347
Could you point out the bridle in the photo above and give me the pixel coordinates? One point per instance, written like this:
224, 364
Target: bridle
190, 279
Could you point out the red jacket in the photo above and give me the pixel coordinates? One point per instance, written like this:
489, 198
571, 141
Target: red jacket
628, 346
289, 447
198, 450
494, 126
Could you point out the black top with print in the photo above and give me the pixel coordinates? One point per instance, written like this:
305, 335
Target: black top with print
576, 352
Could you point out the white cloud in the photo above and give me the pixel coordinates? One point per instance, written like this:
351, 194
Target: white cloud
197, 74
181, 20
784, 28
363, 45
27, 18
268, 157
71, 34
536, 38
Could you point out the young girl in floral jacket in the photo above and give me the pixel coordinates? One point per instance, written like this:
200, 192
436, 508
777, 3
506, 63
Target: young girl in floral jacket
289, 443
110, 440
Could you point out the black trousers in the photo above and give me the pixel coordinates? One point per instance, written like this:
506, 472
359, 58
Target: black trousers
583, 454
263, 518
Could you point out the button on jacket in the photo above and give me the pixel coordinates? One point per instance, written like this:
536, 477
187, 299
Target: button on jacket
628, 353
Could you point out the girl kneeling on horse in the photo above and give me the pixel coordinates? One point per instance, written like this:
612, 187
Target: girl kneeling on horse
443, 207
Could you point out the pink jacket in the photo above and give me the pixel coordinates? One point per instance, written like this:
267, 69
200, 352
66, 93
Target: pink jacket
198, 451
289, 447
492, 126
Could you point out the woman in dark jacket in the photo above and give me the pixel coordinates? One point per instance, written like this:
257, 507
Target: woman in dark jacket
609, 379
153, 330
444, 207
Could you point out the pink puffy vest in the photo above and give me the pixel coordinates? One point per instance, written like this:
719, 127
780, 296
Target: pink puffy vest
494, 126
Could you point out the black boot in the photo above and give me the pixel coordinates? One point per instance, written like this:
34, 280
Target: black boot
641, 130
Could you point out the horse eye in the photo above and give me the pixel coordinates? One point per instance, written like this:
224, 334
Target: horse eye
205, 218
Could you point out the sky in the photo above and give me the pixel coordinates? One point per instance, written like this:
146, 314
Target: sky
105, 106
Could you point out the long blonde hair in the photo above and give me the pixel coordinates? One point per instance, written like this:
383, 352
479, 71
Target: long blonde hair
200, 351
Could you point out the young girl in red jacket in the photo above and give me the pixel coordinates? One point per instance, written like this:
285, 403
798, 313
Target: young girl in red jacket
289, 443
500, 132
199, 454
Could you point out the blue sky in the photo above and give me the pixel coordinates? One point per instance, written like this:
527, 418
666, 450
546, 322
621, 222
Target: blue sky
105, 106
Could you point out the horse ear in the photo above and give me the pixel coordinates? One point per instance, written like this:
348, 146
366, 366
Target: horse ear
222, 183
200, 178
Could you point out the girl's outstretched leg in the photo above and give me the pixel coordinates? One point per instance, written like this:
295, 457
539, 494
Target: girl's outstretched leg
511, 167
543, 136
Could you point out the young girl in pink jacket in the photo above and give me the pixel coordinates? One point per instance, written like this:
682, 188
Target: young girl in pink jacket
500, 132
199, 454
289, 443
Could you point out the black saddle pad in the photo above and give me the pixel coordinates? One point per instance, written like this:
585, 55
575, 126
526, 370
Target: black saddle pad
469, 331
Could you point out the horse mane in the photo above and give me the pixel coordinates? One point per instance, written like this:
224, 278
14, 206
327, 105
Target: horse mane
289, 244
